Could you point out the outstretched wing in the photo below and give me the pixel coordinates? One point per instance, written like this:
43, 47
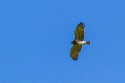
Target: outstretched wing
79, 32
74, 52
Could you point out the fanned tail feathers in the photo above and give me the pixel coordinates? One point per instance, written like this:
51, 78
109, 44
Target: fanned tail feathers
88, 42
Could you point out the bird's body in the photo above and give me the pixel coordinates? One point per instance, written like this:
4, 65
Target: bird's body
82, 42
78, 41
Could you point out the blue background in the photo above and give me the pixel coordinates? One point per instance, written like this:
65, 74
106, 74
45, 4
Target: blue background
35, 38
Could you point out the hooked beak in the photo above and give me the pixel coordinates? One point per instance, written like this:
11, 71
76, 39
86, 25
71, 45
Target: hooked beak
72, 42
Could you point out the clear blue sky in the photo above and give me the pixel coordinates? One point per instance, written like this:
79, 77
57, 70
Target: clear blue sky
35, 38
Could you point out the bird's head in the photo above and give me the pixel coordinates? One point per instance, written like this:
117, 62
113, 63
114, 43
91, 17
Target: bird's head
73, 42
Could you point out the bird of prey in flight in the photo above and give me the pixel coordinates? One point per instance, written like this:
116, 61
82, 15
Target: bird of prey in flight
78, 41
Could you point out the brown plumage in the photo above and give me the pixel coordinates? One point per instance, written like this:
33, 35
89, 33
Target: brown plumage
79, 36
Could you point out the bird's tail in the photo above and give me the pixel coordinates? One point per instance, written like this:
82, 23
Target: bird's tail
88, 42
